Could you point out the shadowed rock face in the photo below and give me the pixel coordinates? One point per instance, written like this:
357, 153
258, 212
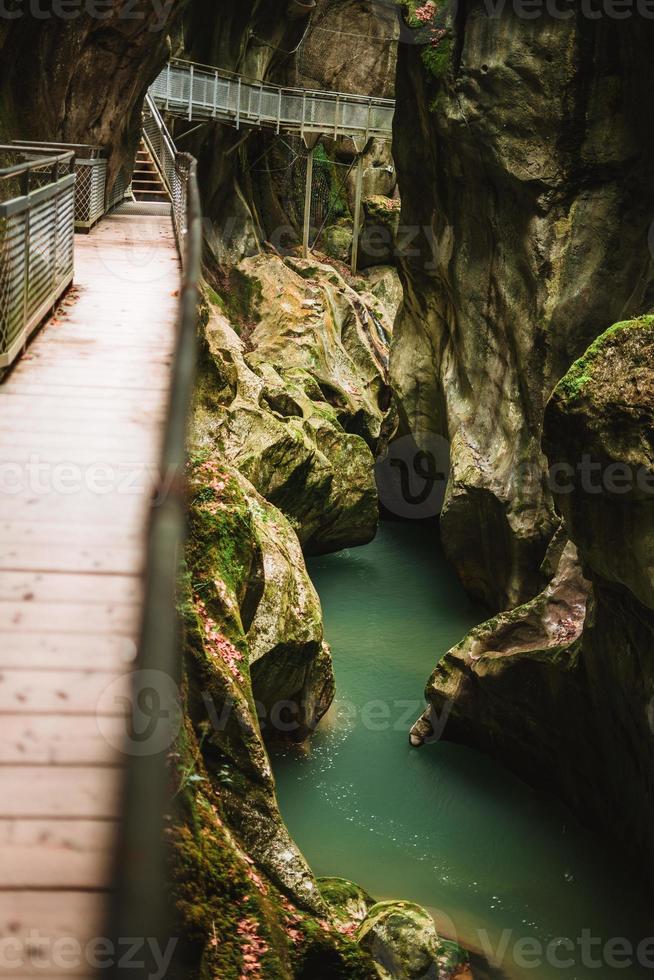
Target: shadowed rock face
525, 170
82, 80
602, 414
562, 688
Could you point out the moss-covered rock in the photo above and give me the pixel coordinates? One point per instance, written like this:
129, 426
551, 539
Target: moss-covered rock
336, 240
599, 433
296, 402
502, 689
348, 903
562, 688
245, 901
380, 227
403, 942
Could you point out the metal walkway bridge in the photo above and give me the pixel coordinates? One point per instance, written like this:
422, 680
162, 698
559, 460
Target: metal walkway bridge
198, 92
92, 429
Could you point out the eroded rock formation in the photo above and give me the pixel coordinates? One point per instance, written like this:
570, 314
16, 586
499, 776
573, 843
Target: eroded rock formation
523, 149
297, 401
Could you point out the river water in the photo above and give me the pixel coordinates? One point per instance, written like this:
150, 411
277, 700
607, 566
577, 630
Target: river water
501, 868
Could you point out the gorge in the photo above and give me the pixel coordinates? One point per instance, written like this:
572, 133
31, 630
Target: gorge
494, 350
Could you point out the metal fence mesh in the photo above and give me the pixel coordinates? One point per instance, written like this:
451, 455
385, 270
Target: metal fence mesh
174, 167
36, 260
90, 191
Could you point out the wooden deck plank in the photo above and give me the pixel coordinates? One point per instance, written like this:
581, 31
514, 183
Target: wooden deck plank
44, 740
70, 651
40, 587
69, 617
62, 692
94, 558
66, 854
61, 792
90, 396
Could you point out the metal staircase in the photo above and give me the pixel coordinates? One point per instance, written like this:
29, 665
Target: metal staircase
147, 184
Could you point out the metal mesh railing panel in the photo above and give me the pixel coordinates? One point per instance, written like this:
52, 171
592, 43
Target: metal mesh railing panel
174, 167
12, 280
90, 191
36, 261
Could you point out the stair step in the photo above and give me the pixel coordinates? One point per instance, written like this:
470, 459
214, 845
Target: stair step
161, 194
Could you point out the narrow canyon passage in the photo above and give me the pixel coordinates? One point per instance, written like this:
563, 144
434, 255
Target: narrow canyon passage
494, 862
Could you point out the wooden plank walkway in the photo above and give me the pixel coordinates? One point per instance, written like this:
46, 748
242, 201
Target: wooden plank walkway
81, 423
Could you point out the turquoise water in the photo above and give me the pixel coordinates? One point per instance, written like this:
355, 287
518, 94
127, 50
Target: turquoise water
443, 826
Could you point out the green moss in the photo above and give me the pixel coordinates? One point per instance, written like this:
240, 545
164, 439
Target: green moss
237, 295
224, 911
326, 955
221, 527
580, 374
437, 59
337, 197
337, 240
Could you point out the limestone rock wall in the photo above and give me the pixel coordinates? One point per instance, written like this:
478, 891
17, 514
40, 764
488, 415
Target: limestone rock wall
523, 158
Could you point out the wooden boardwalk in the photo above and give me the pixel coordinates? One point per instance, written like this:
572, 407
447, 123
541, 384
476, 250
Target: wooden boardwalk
81, 422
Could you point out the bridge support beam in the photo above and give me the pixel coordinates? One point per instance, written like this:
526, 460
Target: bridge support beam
307, 204
357, 215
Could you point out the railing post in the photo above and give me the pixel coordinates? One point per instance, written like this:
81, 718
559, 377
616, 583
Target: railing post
238, 103
338, 103
168, 86
55, 244
26, 264
215, 94
357, 214
260, 101
190, 96
279, 112
304, 112
368, 120
307, 204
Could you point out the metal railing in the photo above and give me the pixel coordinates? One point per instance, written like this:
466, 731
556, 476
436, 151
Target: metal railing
173, 166
140, 904
37, 202
91, 183
199, 92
